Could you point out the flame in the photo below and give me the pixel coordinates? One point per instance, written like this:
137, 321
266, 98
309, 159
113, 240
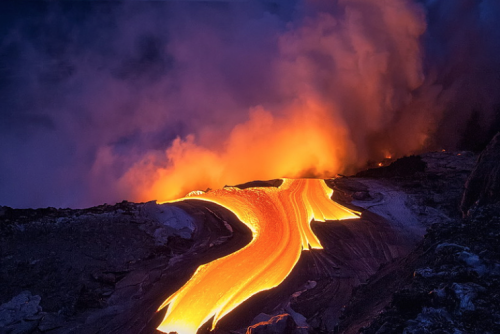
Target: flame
279, 219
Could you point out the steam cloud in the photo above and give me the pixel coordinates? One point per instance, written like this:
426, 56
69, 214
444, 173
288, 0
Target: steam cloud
108, 101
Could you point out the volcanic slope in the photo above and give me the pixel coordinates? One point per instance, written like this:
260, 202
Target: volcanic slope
107, 269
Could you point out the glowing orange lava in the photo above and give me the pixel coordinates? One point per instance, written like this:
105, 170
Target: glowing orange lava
279, 219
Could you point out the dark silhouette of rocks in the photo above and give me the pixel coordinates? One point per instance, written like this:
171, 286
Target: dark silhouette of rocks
88, 267
451, 282
483, 185
255, 184
405, 166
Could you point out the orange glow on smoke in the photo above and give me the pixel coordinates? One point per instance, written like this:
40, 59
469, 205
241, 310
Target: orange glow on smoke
387, 154
279, 219
341, 90
340, 94
309, 143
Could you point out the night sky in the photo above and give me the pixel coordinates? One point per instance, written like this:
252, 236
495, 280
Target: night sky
101, 99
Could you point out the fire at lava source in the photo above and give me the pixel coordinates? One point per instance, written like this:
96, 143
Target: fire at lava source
279, 219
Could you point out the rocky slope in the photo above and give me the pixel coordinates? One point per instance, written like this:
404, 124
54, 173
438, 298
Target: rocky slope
106, 269
450, 282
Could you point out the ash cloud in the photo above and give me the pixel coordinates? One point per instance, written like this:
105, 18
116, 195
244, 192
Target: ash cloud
101, 102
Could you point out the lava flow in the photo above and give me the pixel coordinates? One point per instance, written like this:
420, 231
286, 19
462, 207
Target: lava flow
279, 219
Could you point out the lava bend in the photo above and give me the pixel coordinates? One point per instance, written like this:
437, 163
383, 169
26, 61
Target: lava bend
279, 219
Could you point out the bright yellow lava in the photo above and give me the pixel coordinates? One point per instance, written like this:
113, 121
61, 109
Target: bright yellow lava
279, 219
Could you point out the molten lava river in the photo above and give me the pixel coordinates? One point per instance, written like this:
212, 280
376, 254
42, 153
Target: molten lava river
279, 219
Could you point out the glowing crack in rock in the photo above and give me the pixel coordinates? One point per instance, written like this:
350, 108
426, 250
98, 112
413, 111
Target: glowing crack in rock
279, 219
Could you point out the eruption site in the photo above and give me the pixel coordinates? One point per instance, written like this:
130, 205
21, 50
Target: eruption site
142, 102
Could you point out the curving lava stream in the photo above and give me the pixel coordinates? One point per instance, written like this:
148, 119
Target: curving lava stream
279, 219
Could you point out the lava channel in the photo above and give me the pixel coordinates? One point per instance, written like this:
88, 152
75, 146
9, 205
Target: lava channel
279, 219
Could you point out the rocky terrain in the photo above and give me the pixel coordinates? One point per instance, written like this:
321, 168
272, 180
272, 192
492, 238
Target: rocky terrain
450, 282
423, 258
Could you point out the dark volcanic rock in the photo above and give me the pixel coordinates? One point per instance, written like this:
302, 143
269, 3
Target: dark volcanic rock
483, 185
88, 267
451, 282
256, 184
22, 312
405, 166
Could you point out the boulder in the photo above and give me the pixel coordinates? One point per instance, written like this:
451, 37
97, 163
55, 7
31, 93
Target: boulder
21, 314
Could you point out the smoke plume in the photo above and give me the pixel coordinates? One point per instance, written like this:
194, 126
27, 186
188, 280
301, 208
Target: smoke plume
149, 100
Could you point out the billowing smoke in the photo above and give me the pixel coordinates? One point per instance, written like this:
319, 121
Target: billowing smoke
108, 101
462, 45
